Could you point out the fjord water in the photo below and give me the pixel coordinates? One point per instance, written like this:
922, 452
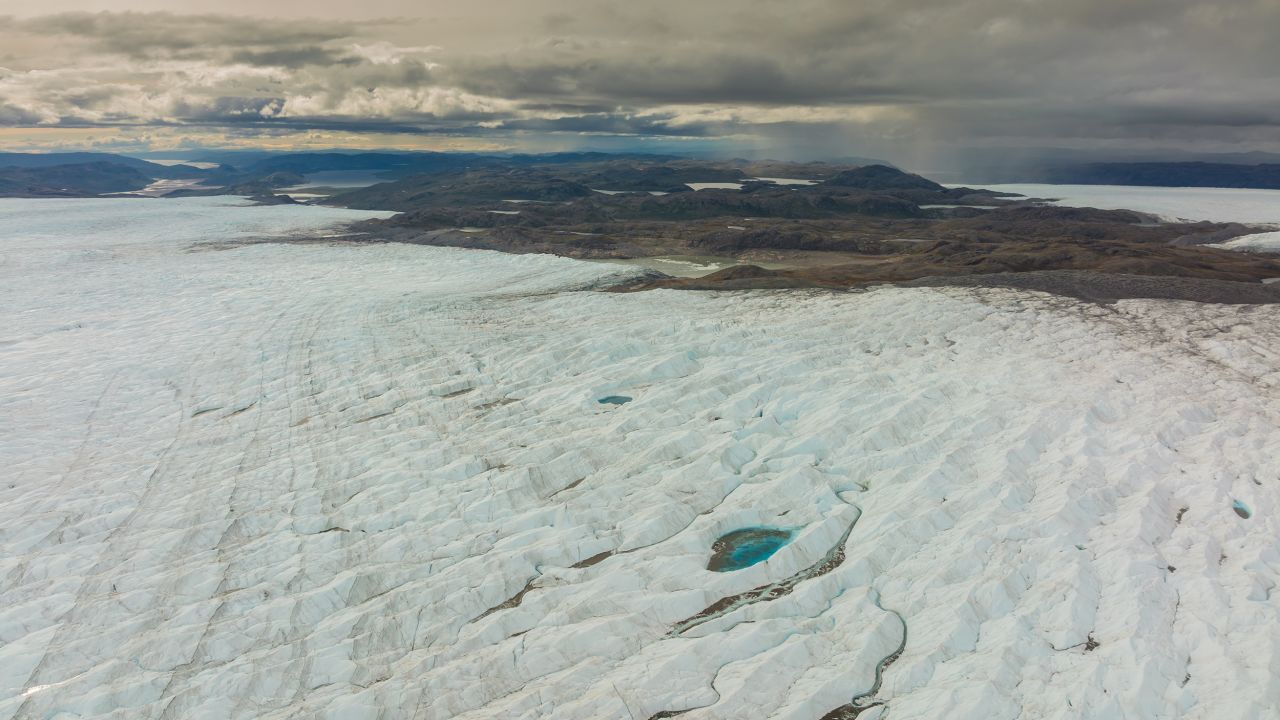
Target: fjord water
376, 481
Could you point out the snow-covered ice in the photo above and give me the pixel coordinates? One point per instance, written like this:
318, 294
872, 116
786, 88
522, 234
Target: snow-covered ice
1173, 204
344, 481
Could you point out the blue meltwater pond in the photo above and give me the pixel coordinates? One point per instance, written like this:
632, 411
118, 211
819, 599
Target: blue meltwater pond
744, 548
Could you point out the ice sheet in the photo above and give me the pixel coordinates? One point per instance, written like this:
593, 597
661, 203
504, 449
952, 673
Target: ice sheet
282, 481
1174, 204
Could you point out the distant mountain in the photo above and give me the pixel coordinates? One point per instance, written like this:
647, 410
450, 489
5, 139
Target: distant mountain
76, 180
466, 188
566, 195
35, 160
304, 163
238, 167
394, 164
1041, 164
568, 158
1169, 174
44, 160
882, 177
438, 175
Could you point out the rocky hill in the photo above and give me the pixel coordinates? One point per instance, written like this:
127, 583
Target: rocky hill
78, 180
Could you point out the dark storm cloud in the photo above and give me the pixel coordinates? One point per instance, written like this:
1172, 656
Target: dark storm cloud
144, 34
729, 76
913, 51
13, 115
894, 72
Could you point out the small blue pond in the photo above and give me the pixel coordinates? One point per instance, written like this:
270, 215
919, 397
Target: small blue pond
614, 400
1241, 509
744, 548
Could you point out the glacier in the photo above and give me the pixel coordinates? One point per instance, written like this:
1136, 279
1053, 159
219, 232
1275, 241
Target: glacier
276, 480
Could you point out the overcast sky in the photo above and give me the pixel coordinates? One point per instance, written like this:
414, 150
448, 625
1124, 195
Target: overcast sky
907, 78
